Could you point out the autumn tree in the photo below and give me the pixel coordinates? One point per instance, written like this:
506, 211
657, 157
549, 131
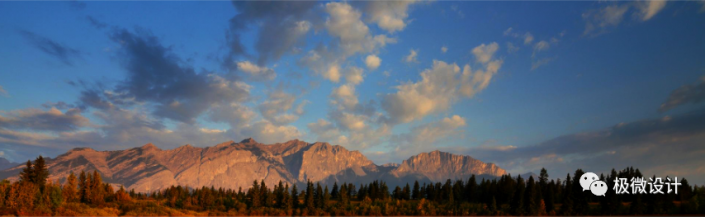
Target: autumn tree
70, 190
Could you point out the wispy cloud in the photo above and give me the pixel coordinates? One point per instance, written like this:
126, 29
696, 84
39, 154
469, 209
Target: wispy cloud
51, 47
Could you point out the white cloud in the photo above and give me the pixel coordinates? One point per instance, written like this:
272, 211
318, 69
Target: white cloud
508, 32
354, 75
474, 82
345, 96
275, 107
444, 49
344, 23
484, 53
440, 86
256, 72
326, 132
605, 17
234, 114
435, 92
528, 38
349, 121
372, 61
389, 15
411, 58
650, 8
211, 131
541, 45
333, 73
268, 133
538, 63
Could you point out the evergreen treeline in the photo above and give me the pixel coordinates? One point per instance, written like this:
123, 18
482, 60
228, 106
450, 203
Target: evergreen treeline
86, 194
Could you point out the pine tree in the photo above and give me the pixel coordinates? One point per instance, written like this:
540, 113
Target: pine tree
70, 191
517, 204
343, 195
40, 173
318, 198
83, 187
415, 194
326, 196
471, 190
254, 195
580, 203
309, 202
334, 191
567, 206
549, 197
294, 196
530, 203
97, 189
27, 173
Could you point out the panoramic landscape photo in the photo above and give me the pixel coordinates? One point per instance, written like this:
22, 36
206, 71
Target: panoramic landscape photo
352, 108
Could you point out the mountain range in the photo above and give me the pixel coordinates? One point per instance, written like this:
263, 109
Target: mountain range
237, 164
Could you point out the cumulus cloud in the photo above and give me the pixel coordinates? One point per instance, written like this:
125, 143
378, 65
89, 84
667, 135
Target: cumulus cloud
389, 15
345, 24
282, 24
689, 93
52, 120
411, 58
185, 94
440, 86
474, 82
435, 92
354, 75
345, 96
256, 72
605, 17
235, 114
372, 61
484, 53
351, 36
275, 108
62, 52
349, 121
326, 132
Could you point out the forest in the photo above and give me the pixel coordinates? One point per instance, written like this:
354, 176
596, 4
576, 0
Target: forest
86, 194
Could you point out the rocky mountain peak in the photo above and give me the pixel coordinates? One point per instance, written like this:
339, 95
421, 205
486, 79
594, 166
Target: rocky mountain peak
233, 165
149, 146
249, 141
438, 166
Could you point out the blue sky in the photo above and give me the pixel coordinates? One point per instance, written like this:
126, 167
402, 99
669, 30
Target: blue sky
522, 84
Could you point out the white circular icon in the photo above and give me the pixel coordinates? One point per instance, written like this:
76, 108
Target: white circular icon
598, 188
588, 178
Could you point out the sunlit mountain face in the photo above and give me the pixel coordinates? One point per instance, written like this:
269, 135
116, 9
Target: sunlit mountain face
517, 85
